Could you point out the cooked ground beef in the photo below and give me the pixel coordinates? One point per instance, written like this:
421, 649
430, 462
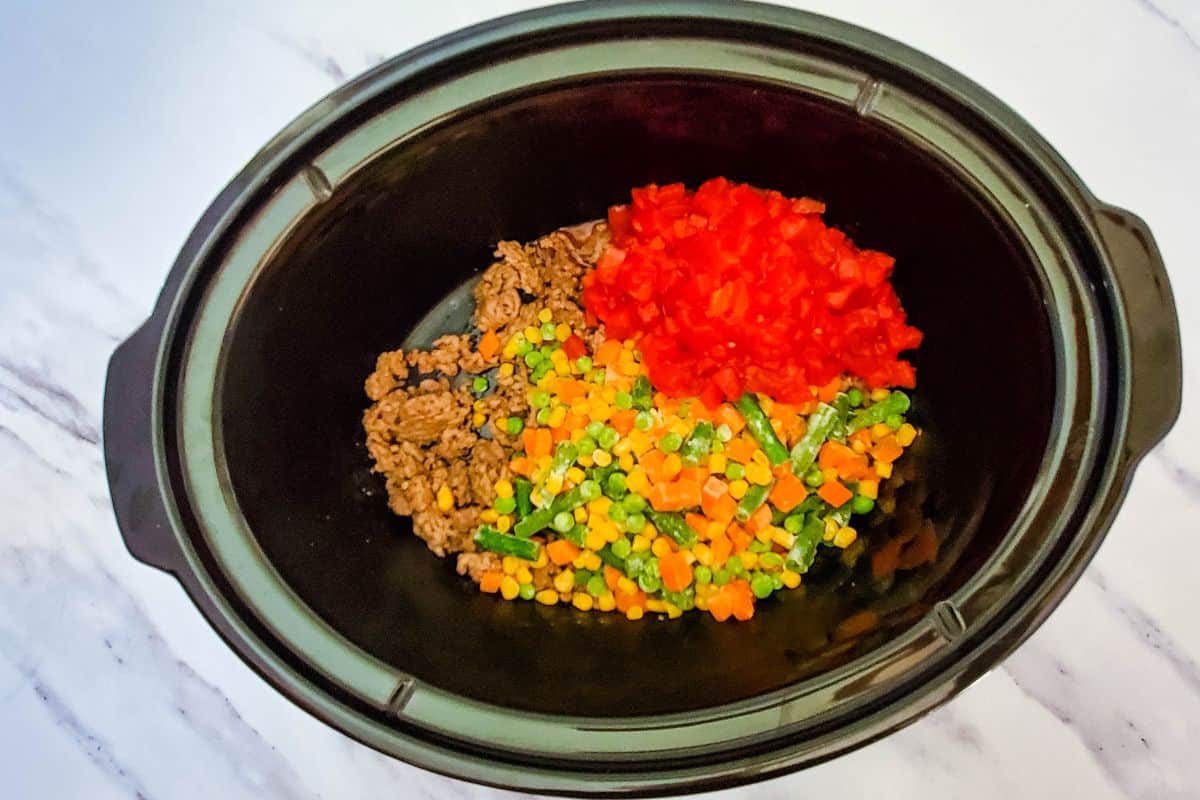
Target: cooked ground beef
420, 430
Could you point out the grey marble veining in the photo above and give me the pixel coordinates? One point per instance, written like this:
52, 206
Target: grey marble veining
121, 122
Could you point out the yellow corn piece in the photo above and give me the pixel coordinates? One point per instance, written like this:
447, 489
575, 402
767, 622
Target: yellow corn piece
883, 469
504, 523
504, 488
879, 394
845, 537
790, 579
565, 580
578, 562
671, 467
601, 458
509, 588
596, 538
673, 611
634, 613
703, 553
661, 547
532, 335
509, 352
445, 499
767, 404
714, 529
622, 447
625, 462
626, 585
576, 475
557, 417
764, 535
879, 430
738, 488
640, 441
599, 411
535, 496
562, 332
906, 435
717, 463
546, 597
858, 446
545, 315
680, 427
760, 458
506, 369
749, 559
650, 532
581, 514
585, 460
478, 419
489, 515
758, 474
582, 600
637, 482
600, 506
561, 367
510, 564
782, 538
542, 559
606, 601
640, 543
655, 605
869, 489
608, 394
554, 484
523, 575
831, 527
579, 408
701, 603
591, 561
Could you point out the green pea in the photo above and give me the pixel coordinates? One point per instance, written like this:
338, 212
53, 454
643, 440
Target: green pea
776, 581
758, 546
724, 432
547, 350
855, 396
589, 491
506, 505
648, 583
563, 522
608, 438
596, 585
761, 585
623, 400
598, 376
583, 364
635, 522
480, 385
770, 561
861, 505
617, 513
540, 370
734, 565
702, 574
813, 477
670, 442
721, 576
547, 331
533, 358
893, 421
644, 421
616, 486
523, 346
526, 592
794, 523
717, 446
586, 446
539, 399
542, 416
621, 548
634, 503
514, 425
593, 429
735, 471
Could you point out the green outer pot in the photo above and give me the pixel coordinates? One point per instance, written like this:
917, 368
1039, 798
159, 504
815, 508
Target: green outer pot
1117, 354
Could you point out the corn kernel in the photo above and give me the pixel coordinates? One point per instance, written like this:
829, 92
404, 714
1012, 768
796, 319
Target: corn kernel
760, 458
509, 588
622, 447
879, 430
510, 564
831, 527
564, 580
581, 514
650, 532
883, 469
608, 394
545, 315
546, 597
606, 601
906, 435
576, 475
634, 613
703, 553
637, 482
671, 467
504, 524
714, 529
585, 460
562, 367
845, 537
601, 458
489, 515
790, 579
640, 441
562, 332
600, 506
782, 538
478, 420
596, 539
625, 462
673, 611
510, 349
445, 499
611, 534
758, 474
717, 463
858, 446
655, 605
523, 575
661, 547
599, 411
532, 334
554, 484
591, 561
689, 557
504, 488
626, 585
749, 559
579, 408
869, 489
506, 370
557, 417
542, 559
582, 600
640, 543
738, 488
701, 603
535, 496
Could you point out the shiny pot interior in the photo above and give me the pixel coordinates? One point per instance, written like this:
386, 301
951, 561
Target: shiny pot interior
363, 268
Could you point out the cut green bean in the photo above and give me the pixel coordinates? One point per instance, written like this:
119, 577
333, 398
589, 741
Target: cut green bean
672, 525
755, 496
698, 444
895, 403
642, 394
507, 545
804, 546
522, 490
760, 428
820, 423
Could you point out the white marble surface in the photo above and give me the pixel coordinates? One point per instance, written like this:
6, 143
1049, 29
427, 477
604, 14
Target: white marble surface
119, 123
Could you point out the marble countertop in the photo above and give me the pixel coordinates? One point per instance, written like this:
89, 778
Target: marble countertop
120, 123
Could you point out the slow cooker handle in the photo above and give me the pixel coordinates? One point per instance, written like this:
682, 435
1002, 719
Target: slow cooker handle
129, 450
1144, 291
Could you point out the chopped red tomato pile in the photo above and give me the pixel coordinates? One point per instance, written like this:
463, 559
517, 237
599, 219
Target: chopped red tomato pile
732, 288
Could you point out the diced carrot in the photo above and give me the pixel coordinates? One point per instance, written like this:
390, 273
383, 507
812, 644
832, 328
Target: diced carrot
834, 454
886, 559
651, 463
562, 552
856, 625
490, 581
574, 347
861, 435
726, 414
697, 522
674, 496
788, 492
489, 345
675, 571
834, 493
688, 493
739, 450
923, 548
607, 353
626, 601
697, 475
711, 495
529, 440
739, 537
759, 520
887, 450
611, 576
622, 420
520, 466
569, 391
545, 443
720, 606
723, 508
721, 548
574, 422
741, 598
560, 434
